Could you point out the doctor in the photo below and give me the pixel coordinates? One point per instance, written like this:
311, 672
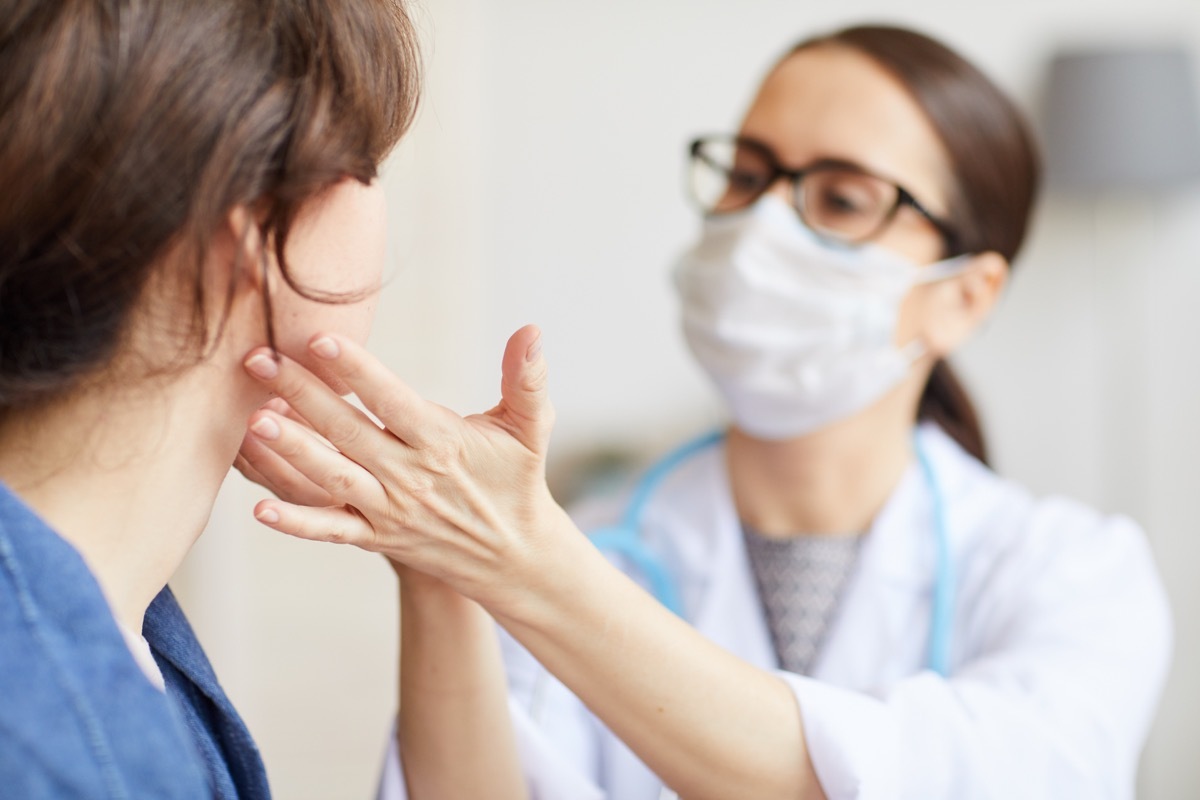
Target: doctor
859, 606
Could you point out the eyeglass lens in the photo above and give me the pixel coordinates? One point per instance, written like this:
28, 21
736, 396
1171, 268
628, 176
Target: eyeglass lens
839, 202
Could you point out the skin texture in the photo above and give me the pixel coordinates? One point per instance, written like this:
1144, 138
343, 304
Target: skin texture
127, 468
464, 499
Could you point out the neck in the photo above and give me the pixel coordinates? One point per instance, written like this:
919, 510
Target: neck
833, 481
128, 477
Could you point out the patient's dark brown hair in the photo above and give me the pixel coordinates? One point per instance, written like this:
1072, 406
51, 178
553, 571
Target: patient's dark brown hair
131, 128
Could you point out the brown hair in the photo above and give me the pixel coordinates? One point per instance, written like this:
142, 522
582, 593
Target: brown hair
130, 128
995, 166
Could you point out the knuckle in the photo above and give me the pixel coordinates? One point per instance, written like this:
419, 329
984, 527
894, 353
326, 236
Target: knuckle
340, 482
289, 446
343, 431
421, 487
388, 408
290, 385
442, 455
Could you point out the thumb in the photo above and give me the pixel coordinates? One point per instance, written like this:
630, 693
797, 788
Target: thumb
525, 402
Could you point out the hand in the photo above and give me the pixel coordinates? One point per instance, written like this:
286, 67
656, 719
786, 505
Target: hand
259, 464
461, 499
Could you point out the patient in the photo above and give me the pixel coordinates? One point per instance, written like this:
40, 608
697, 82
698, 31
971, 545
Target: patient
183, 180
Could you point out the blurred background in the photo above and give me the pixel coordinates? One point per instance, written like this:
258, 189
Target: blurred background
543, 183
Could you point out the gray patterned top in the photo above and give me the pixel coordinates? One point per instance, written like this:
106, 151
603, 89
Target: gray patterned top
800, 579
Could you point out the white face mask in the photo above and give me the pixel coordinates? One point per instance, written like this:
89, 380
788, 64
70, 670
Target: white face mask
796, 333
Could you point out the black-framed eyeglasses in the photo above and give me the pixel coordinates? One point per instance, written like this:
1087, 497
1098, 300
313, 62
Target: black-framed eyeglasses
837, 200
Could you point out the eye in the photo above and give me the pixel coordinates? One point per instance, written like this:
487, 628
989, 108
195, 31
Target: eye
846, 194
846, 204
745, 181
837, 202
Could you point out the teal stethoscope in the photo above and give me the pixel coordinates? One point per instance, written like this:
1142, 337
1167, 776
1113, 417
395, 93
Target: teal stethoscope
624, 539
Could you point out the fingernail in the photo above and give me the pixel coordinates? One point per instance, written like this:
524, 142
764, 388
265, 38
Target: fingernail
326, 348
265, 428
268, 515
534, 350
262, 366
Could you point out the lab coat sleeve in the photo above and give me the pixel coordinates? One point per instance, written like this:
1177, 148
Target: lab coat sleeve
1055, 702
558, 753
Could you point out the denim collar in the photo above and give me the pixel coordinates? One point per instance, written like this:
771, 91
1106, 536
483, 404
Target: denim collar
78, 717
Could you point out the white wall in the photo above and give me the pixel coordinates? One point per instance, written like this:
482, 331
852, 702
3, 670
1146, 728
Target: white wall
543, 183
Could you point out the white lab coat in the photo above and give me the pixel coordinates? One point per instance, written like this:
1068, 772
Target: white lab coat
1061, 643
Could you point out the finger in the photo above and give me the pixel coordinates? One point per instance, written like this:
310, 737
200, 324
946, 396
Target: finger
284, 409
250, 473
345, 480
406, 414
525, 401
337, 525
268, 469
321, 409
281, 407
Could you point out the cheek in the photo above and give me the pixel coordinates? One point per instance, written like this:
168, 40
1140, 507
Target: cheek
337, 248
305, 318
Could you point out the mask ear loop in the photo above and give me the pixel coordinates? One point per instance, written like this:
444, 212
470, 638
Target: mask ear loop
945, 270
935, 273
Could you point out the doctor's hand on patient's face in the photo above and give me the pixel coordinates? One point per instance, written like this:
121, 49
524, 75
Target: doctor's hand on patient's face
460, 499
261, 465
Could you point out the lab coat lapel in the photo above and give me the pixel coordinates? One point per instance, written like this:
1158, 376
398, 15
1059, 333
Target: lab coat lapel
881, 629
727, 607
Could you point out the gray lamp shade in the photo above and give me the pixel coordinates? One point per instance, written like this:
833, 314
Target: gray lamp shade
1122, 119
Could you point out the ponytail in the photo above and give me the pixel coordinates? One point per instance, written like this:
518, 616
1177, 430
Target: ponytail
945, 402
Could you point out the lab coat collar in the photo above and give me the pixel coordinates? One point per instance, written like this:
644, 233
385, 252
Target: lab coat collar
891, 583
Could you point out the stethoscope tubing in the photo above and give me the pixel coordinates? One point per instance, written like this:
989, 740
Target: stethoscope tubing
625, 539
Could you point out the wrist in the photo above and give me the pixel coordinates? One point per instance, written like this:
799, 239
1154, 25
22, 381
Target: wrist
551, 577
419, 587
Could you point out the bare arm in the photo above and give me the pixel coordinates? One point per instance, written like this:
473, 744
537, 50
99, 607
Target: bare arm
706, 722
466, 500
454, 733
455, 736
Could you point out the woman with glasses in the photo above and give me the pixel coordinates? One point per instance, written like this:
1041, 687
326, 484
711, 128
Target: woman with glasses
834, 597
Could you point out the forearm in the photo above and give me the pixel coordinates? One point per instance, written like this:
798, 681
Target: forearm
708, 723
455, 736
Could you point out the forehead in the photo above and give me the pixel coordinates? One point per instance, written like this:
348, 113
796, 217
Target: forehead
834, 102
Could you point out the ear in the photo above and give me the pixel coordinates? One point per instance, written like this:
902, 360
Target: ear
241, 250
961, 304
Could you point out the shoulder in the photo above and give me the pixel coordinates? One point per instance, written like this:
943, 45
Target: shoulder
1062, 560
989, 511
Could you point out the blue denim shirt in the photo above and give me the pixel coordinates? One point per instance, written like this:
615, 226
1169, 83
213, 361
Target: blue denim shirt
78, 718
